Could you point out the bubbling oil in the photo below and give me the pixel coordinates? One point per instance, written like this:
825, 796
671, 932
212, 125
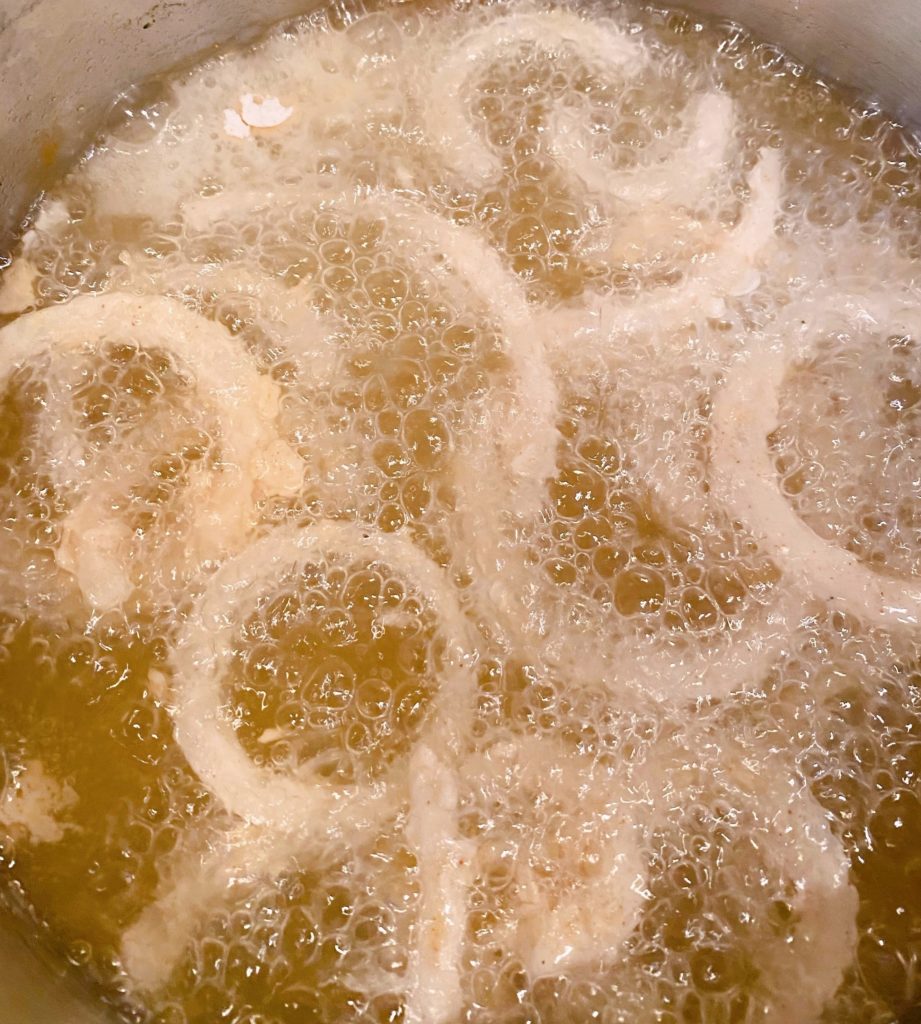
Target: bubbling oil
460, 555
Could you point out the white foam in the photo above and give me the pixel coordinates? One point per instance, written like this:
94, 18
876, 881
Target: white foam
35, 803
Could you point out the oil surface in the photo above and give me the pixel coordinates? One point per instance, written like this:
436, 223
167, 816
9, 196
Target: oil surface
461, 489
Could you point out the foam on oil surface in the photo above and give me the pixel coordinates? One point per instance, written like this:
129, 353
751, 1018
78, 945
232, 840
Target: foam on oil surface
540, 725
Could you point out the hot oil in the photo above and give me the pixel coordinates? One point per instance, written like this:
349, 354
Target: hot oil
396, 383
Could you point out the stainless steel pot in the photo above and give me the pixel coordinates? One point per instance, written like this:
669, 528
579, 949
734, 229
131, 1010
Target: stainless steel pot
63, 61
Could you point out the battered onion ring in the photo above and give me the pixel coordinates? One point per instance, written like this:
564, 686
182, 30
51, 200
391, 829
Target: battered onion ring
285, 313
792, 836
737, 660
744, 479
685, 669
284, 816
804, 972
598, 333
588, 339
718, 663
575, 924
671, 669
583, 920
310, 806
681, 178
730, 272
448, 124
466, 266
525, 436
240, 395
445, 862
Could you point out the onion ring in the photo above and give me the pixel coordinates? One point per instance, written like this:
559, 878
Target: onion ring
744, 479
602, 330
526, 445
568, 922
680, 179
284, 313
447, 122
464, 264
824, 903
788, 831
709, 667
445, 863
283, 816
680, 668
206, 735
730, 272
239, 393
153, 942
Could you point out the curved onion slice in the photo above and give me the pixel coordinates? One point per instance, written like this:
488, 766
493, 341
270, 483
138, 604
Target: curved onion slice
524, 441
686, 669
445, 862
743, 477
449, 124
327, 77
681, 178
585, 338
785, 835
583, 913
152, 945
800, 975
308, 805
682, 666
282, 815
678, 668
730, 272
527, 436
562, 926
466, 266
235, 204
229, 383
713, 666
285, 314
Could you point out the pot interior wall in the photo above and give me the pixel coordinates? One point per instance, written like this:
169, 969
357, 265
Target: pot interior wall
61, 64
33, 992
